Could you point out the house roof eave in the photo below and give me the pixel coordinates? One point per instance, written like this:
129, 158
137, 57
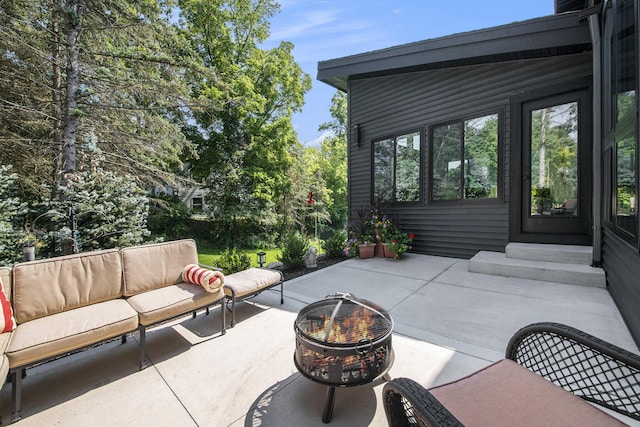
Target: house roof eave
540, 37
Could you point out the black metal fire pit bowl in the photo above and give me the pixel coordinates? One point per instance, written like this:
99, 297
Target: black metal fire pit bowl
343, 341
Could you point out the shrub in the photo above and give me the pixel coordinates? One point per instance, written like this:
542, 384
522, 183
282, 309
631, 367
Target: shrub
334, 245
231, 261
294, 249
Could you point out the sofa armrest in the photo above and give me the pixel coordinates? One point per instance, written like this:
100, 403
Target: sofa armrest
582, 364
408, 403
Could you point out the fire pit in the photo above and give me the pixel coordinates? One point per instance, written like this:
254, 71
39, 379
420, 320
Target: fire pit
342, 341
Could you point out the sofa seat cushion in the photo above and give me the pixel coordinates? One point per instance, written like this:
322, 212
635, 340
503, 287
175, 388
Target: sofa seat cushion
251, 281
4, 360
62, 332
507, 394
164, 303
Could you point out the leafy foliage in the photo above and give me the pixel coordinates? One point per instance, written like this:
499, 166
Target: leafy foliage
76, 73
99, 210
232, 261
244, 148
294, 248
167, 217
399, 242
12, 236
334, 245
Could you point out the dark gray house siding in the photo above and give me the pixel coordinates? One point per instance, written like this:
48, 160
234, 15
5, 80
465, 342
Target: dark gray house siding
502, 70
620, 252
415, 101
621, 261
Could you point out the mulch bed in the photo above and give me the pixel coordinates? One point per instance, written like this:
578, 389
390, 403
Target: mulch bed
292, 273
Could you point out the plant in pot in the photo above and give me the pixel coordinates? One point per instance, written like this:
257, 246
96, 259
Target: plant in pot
540, 196
380, 227
398, 243
362, 246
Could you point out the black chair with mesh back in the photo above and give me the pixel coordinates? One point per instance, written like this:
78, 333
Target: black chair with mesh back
550, 373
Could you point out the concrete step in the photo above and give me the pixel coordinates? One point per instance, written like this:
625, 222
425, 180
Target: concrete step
497, 263
567, 254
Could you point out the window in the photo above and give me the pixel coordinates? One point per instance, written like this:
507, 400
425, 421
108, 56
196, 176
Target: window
625, 119
396, 169
197, 204
465, 159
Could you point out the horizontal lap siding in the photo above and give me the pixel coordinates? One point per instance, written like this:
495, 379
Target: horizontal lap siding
388, 105
621, 261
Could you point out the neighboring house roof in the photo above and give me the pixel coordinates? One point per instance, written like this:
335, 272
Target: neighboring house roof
540, 37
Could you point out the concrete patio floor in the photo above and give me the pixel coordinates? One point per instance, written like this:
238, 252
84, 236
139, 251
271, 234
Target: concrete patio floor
448, 323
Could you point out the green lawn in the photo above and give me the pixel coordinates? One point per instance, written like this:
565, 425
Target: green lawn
210, 256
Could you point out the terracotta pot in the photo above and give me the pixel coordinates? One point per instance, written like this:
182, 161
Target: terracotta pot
366, 251
389, 253
379, 248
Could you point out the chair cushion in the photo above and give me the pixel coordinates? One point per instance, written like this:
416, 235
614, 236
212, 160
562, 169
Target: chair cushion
7, 321
251, 281
4, 360
170, 301
157, 265
5, 278
70, 330
507, 394
53, 285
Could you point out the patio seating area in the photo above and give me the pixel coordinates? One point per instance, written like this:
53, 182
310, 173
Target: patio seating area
449, 323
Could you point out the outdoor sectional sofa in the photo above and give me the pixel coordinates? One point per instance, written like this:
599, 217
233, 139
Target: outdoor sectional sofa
65, 304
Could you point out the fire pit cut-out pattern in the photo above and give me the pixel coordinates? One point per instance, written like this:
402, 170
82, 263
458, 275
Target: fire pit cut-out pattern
343, 341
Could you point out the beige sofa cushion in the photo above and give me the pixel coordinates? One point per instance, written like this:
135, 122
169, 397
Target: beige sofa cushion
169, 301
49, 286
69, 330
507, 394
5, 277
250, 281
4, 360
155, 266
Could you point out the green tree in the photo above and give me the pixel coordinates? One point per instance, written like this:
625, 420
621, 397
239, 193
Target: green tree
99, 209
113, 70
12, 235
333, 161
245, 147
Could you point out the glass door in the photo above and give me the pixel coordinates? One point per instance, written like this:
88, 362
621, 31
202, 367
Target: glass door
556, 195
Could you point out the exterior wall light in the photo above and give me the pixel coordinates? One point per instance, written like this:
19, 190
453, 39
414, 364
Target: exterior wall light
356, 134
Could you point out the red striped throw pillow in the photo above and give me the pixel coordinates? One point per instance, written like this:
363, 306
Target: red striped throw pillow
7, 321
210, 280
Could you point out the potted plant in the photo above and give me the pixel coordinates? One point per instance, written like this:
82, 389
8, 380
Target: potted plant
399, 242
540, 196
362, 246
366, 250
380, 227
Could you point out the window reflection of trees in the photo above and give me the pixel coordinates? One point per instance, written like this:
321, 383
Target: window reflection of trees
625, 115
554, 159
383, 171
466, 150
396, 169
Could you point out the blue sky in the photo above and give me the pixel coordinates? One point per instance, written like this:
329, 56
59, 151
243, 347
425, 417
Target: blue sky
328, 29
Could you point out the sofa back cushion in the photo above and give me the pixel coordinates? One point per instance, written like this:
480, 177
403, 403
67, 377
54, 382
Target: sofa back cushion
54, 285
7, 319
5, 277
155, 266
